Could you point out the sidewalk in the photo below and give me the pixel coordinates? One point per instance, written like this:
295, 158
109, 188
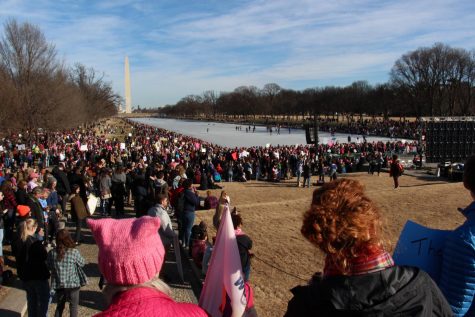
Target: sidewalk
13, 304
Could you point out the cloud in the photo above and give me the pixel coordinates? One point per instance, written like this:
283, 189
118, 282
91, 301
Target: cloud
179, 48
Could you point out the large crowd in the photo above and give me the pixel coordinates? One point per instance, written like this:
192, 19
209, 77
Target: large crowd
157, 173
386, 128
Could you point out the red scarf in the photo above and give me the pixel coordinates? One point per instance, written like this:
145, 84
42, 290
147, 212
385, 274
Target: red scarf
369, 260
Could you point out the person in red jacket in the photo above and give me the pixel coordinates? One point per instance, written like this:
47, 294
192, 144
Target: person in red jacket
131, 267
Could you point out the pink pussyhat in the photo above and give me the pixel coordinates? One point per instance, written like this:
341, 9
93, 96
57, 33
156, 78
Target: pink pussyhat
130, 250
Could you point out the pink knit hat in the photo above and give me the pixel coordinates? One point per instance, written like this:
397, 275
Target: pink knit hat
130, 250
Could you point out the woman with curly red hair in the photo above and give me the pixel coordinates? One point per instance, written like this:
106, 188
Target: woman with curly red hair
359, 277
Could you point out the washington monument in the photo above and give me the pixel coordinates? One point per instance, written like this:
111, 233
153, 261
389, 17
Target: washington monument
128, 97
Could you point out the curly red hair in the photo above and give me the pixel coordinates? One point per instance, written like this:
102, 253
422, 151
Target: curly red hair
342, 222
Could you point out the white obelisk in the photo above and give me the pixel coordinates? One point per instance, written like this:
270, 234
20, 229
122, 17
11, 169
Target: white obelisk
128, 97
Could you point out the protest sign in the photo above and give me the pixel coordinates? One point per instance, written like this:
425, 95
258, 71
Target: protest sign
1, 148
92, 204
21, 147
122, 146
421, 247
83, 148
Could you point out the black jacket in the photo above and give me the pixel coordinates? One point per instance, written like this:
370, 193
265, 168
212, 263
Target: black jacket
244, 246
21, 196
62, 185
396, 291
36, 211
31, 259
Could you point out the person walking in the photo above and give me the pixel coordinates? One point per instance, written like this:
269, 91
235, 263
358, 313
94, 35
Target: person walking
395, 170
66, 266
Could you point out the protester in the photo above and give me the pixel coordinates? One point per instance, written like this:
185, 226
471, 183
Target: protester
458, 264
3, 212
31, 255
359, 277
131, 266
395, 170
118, 190
9, 204
78, 211
37, 211
244, 245
224, 201
105, 184
211, 201
199, 238
66, 265
191, 201
166, 230
54, 213
63, 186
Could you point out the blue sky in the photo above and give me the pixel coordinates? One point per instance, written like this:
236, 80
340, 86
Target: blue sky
179, 47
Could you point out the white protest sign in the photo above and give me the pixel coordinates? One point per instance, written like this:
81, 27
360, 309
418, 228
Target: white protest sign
122, 146
21, 147
92, 204
421, 247
1, 148
83, 147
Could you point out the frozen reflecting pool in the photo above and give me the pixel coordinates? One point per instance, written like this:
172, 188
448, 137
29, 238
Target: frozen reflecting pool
225, 134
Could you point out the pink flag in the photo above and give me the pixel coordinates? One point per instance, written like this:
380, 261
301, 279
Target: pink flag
223, 290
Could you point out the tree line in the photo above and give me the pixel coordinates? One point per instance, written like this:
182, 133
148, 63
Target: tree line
429, 81
37, 90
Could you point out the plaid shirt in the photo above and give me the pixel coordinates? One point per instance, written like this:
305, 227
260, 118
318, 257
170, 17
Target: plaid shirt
64, 274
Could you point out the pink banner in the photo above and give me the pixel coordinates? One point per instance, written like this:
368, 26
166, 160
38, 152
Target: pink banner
224, 279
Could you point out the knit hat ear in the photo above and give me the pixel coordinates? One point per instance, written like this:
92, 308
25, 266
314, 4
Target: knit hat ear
130, 250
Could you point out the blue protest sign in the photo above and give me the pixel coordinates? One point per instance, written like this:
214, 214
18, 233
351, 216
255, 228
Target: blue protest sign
421, 247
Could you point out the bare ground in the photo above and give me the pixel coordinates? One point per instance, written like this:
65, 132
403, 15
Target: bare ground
272, 214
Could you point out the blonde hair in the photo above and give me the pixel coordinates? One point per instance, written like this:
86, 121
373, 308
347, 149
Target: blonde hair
25, 226
111, 290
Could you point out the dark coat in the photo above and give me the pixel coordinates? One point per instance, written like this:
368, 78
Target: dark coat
62, 187
396, 291
36, 211
21, 196
191, 201
30, 259
78, 208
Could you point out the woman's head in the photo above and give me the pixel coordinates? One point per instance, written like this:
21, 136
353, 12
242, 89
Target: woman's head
342, 222
27, 228
6, 186
135, 258
22, 184
63, 243
236, 218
